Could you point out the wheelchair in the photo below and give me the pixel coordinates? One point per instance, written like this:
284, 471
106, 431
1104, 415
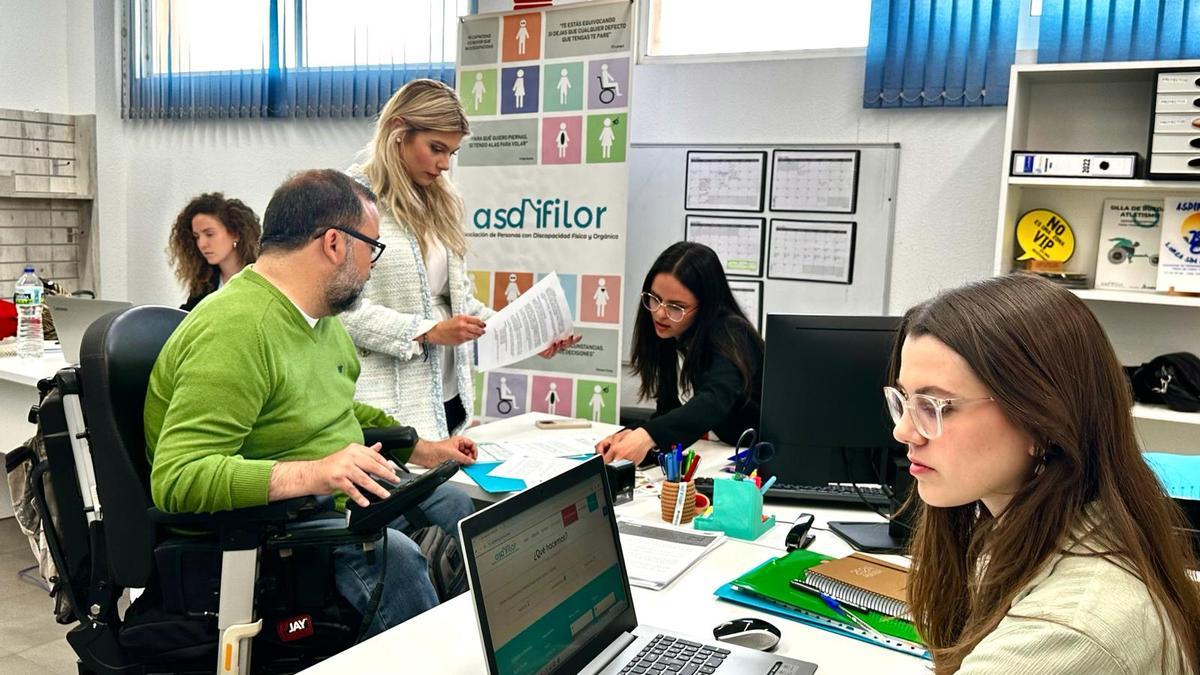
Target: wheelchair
503, 405
609, 92
207, 594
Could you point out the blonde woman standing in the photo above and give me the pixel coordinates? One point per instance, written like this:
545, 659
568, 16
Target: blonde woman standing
418, 313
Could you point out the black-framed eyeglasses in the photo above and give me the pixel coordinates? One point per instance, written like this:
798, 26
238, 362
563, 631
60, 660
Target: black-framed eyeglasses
377, 247
674, 312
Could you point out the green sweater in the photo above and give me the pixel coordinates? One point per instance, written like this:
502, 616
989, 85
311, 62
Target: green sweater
242, 383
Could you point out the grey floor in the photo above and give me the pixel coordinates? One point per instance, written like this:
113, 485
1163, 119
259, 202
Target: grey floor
31, 642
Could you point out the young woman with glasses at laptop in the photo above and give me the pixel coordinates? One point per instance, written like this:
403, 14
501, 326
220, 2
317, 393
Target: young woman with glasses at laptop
212, 239
697, 355
1044, 544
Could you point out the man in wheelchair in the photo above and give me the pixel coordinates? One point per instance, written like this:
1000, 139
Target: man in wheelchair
250, 400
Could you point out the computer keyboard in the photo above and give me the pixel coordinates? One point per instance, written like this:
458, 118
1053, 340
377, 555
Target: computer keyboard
824, 493
666, 654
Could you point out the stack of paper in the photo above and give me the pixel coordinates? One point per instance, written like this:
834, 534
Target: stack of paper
500, 451
656, 556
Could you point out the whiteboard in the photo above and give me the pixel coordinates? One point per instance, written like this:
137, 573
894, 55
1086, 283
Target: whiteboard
657, 181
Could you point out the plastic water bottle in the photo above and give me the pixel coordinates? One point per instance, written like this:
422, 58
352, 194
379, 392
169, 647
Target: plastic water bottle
28, 299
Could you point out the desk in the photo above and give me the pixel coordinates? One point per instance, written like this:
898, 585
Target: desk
520, 428
18, 392
446, 638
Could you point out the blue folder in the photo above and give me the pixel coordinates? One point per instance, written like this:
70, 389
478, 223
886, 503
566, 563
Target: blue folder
478, 472
729, 593
493, 484
1179, 474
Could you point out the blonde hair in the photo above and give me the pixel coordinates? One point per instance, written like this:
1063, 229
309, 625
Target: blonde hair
420, 105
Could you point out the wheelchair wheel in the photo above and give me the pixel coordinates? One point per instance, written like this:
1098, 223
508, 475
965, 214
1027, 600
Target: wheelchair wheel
1117, 255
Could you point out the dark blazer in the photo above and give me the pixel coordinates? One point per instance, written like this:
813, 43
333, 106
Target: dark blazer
719, 403
211, 286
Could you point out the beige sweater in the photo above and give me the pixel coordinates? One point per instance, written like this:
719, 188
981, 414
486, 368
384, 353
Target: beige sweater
1089, 617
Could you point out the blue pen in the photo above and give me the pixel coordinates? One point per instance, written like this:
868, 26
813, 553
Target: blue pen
767, 485
837, 607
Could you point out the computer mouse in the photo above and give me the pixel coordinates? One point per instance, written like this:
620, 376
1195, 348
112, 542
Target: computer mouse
752, 633
798, 536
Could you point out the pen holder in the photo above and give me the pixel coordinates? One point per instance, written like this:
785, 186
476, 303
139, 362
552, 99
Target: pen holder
671, 502
737, 510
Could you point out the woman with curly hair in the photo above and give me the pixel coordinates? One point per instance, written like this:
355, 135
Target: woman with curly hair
213, 239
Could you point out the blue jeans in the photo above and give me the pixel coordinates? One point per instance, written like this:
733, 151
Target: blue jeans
408, 590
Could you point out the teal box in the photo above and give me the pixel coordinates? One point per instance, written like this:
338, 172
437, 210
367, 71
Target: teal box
737, 510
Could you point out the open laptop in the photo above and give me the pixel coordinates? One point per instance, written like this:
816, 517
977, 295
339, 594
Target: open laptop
552, 595
72, 316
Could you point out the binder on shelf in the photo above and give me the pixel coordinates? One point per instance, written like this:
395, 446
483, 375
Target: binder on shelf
768, 588
1074, 164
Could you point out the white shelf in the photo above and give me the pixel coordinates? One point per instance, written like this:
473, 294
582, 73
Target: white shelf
1107, 184
1142, 411
1136, 297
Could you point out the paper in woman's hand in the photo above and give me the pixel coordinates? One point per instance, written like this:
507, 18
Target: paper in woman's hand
526, 326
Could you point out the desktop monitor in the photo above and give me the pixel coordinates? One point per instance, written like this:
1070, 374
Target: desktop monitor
823, 406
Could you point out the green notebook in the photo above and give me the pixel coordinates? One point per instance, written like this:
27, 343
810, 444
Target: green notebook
772, 582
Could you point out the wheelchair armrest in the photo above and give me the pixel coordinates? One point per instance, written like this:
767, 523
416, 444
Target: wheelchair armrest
276, 512
392, 438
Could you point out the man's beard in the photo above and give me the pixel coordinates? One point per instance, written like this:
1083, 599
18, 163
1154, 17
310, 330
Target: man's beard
344, 291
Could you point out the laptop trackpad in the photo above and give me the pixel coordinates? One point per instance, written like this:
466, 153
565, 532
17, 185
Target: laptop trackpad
697, 656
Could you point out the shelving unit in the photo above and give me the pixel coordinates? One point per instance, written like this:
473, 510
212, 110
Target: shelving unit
47, 190
1100, 107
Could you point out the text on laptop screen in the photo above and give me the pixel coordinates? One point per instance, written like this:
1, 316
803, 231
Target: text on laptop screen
550, 579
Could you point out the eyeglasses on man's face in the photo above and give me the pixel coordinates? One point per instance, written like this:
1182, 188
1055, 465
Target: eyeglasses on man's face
377, 247
675, 312
926, 411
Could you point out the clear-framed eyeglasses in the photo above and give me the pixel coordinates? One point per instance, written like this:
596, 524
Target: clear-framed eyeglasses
926, 410
674, 312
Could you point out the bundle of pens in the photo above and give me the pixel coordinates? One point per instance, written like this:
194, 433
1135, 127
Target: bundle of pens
678, 492
679, 466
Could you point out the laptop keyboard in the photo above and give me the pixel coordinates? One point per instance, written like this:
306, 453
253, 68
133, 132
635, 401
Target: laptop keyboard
666, 654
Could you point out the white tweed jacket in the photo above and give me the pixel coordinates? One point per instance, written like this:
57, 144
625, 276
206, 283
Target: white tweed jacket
383, 325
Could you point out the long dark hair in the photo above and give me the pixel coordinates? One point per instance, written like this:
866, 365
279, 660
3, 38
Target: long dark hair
720, 326
1048, 364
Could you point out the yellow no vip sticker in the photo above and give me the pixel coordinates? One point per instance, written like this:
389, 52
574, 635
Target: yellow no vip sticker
1044, 235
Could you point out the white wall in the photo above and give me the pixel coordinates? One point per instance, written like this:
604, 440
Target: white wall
949, 158
33, 55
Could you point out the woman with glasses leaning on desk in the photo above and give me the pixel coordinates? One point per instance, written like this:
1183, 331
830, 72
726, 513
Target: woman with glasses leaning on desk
697, 355
1044, 544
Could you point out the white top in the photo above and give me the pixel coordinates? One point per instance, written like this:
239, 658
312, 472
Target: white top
437, 270
1081, 615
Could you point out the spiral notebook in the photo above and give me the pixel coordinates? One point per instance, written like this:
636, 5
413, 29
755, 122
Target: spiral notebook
863, 581
768, 588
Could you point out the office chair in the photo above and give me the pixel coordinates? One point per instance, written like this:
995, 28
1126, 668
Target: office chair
203, 592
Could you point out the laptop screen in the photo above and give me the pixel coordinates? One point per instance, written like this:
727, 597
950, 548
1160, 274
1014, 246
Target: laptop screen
549, 577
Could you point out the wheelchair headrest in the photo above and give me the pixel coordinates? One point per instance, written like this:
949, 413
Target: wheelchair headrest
115, 359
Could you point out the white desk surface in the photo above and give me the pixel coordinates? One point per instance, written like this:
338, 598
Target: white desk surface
446, 638
28, 371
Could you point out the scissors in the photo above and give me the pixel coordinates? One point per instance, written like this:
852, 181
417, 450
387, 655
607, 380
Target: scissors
755, 455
